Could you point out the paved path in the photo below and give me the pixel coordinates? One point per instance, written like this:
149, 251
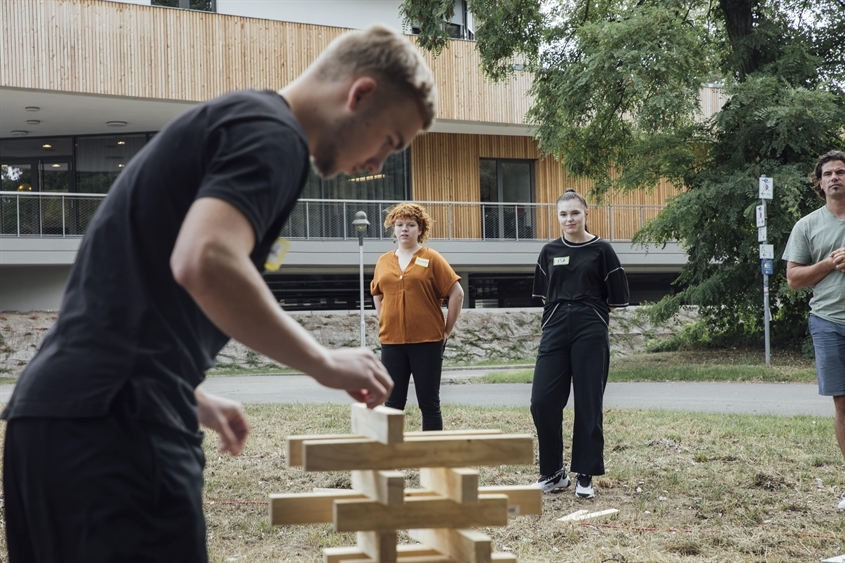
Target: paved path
753, 398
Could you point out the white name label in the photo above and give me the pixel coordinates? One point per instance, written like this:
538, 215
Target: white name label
561, 261
422, 262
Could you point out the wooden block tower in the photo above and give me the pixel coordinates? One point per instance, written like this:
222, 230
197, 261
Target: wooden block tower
438, 515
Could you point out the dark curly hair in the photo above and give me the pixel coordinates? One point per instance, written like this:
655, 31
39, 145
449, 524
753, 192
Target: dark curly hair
816, 175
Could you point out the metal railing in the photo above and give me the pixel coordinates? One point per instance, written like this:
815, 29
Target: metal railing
45, 214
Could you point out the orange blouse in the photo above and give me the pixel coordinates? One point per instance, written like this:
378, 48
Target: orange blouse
411, 307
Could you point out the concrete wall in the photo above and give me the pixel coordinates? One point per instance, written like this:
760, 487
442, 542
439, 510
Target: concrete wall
32, 288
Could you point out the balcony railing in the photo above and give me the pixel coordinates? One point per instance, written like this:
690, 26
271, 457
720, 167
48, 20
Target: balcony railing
45, 214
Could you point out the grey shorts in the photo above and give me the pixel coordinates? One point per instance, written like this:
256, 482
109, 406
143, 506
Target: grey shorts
829, 342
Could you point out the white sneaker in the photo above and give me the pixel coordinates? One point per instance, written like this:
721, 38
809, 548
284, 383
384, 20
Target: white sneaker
841, 503
584, 486
549, 483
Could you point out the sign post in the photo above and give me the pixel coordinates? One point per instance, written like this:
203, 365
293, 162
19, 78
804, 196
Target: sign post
767, 254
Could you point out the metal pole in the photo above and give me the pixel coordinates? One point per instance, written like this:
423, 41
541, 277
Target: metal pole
361, 261
766, 314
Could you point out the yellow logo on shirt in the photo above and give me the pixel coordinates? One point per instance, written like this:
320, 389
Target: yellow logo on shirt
561, 261
422, 262
277, 254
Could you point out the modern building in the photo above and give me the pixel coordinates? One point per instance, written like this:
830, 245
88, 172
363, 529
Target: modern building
84, 84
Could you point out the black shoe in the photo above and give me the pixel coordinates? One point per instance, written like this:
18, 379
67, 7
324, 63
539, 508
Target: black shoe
549, 483
584, 486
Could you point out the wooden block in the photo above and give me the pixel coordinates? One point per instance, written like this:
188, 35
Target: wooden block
422, 451
382, 424
405, 553
575, 516
522, 500
425, 512
467, 546
379, 546
293, 445
305, 508
502, 557
459, 484
386, 487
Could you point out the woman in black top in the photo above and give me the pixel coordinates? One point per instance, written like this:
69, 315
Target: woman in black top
580, 280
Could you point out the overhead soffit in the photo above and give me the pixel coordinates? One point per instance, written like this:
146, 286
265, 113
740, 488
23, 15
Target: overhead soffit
63, 113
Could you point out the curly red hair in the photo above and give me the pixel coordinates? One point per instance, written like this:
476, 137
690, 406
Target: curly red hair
412, 211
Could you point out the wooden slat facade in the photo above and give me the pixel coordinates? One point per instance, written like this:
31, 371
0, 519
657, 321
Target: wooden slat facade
117, 49
445, 167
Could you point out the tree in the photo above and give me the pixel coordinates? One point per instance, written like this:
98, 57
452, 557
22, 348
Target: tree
616, 99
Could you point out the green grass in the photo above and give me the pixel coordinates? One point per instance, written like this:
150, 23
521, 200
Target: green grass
8, 380
689, 487
702, 365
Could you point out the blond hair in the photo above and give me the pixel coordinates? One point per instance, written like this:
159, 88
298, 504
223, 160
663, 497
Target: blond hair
389, 58
410, 211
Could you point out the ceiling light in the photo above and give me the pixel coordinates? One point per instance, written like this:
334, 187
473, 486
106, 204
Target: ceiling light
366, 178
19, 133
46, 146
120, 165
32, 122
57, 166
121, 142
32, 108
116, 123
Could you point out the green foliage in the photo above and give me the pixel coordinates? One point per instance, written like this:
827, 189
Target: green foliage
617, 99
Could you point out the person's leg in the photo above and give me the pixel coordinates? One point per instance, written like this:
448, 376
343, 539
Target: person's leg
839, 422
100, 489
829, 344
426, 365
590, 365
550, 390
395, 360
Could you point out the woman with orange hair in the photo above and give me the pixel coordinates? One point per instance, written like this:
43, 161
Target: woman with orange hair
408, 289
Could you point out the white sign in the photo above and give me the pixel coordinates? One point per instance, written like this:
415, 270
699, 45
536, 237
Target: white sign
761, 216
766, 187
762, 234
767, 251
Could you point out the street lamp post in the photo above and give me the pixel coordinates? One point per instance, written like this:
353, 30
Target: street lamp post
360, 223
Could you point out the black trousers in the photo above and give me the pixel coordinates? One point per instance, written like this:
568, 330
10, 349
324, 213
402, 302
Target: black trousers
574, 351
106, 489
425, 362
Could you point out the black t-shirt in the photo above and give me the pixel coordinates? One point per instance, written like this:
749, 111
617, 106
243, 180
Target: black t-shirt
588, 272
124, 319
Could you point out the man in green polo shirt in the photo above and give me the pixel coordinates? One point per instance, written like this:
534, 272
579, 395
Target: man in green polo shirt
815, 255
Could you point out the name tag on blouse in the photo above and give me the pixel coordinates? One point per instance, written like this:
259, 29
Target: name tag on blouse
561, 261
422, 262
277, 255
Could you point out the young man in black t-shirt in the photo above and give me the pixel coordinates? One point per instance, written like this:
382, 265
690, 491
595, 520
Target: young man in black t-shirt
103, 458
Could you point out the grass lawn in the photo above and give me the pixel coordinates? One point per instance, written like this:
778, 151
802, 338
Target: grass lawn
688, 487
694, 365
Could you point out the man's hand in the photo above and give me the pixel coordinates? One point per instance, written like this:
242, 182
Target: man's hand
838, 257
359, 373
224, 416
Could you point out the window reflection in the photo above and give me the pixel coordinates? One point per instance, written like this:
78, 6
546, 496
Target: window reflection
99, 160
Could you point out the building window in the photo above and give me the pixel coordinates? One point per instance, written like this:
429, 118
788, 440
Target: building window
99, 160
332, 219
505, 184
201, 5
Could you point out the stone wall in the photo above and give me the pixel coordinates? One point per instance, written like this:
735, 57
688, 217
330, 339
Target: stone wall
488, 336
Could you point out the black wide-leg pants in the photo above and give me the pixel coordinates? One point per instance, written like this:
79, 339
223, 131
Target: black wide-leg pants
425, 362
574, 351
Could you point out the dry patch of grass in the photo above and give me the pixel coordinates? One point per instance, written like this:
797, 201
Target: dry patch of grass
689, 487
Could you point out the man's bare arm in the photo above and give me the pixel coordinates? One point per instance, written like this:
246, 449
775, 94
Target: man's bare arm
211, 261
802, 275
